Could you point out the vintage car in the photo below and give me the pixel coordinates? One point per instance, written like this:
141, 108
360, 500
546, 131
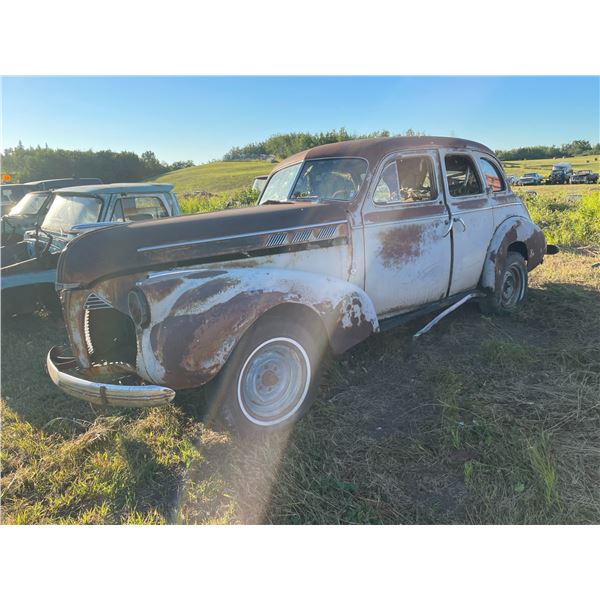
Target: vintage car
530, 179
28, 267
259, 183
561, 172
11, 194
584, 176
347, 239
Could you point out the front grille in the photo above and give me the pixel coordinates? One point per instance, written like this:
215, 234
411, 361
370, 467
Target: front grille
109, 336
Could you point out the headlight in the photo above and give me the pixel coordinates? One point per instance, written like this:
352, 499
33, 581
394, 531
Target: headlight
139, 310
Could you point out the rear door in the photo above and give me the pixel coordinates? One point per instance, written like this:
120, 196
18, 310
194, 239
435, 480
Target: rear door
472, 217
407, 255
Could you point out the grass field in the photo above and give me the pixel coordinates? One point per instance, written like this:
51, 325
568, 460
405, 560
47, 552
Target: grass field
544, 166
483, 420
216, 177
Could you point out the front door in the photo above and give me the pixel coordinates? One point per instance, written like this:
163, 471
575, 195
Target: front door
472, 218
405, 218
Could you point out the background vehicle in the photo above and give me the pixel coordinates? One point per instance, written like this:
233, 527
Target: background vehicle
561, 172
29, 267
584, 176
11, 193
25, 215
530, 179
348, 239
259, 183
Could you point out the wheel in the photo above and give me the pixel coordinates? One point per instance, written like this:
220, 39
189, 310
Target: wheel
271, 377
512, 290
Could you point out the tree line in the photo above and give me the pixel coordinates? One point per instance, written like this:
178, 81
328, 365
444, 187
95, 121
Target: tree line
35, 163
574, 148
281, 146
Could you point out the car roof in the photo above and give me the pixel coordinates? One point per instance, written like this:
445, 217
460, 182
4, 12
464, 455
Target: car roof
373, 149
118, 188
58, 180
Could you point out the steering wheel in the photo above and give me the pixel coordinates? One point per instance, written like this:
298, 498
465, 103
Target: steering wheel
342, 194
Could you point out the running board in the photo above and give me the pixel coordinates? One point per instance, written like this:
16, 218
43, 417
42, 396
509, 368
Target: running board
446, 312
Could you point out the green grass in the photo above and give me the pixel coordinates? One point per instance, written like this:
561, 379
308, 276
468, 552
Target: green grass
567, 219
544, 166
482, 420
216, 177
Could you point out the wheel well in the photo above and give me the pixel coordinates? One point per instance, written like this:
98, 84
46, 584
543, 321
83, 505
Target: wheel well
519, 247
301, 314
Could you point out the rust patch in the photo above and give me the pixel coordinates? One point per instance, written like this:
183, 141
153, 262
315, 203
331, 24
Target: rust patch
401, 244
193, 348
357, 328
201, 293
409, 211
471, 203
536, 249
155, 292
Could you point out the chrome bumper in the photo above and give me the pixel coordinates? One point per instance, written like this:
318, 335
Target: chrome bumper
103, 393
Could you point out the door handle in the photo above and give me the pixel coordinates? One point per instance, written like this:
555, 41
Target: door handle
459, 220
451, 221
450, 224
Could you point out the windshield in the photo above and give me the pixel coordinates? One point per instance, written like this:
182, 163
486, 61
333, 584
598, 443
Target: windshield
67, 211
319, 180
29, 204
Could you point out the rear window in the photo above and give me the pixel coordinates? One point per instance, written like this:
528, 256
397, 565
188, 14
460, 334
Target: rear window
493, 179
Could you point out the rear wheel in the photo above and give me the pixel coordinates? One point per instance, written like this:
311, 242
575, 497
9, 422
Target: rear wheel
512, 290
271, 377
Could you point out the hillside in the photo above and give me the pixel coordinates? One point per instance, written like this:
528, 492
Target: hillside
216, 177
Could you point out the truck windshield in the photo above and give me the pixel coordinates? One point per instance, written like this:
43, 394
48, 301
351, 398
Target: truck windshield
338, 179
29, 204
67, 211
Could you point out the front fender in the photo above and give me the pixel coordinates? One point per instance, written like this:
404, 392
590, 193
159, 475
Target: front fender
513, 229
198, 316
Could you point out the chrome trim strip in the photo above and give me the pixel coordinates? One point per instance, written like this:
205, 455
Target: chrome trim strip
233, 237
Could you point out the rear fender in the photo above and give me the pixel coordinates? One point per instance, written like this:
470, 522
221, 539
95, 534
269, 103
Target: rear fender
198, 316
514, 229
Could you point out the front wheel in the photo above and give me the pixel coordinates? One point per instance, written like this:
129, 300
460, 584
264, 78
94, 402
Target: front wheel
271, 377
512, 290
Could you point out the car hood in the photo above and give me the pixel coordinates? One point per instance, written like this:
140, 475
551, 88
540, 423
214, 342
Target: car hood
196, 239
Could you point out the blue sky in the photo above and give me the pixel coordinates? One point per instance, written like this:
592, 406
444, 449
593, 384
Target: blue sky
200, 118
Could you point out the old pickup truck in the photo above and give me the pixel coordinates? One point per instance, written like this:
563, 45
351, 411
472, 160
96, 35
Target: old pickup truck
28, 267
347, 239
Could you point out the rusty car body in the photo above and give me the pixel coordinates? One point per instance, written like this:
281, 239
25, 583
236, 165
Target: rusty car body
347, 239
28, 267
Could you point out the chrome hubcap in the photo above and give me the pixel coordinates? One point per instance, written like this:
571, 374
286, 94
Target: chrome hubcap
274, 381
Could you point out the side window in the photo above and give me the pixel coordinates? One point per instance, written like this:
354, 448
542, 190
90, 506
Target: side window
407, 179
463, 179
139, 208
388, 190
493, 179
